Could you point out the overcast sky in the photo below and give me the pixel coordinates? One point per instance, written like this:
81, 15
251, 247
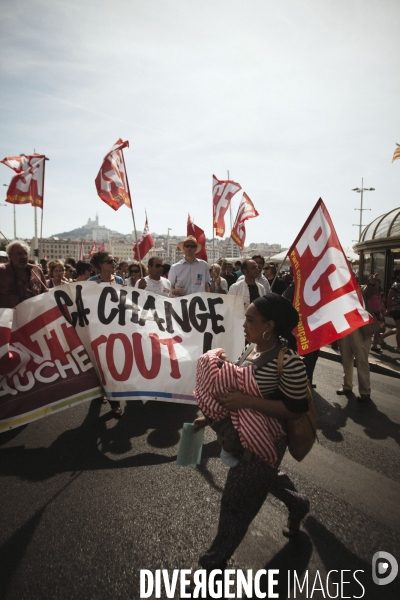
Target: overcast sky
298, 100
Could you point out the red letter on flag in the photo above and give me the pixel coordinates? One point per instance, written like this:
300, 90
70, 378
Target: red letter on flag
222, 195
111, 181
327, 296
246, 211
27, 186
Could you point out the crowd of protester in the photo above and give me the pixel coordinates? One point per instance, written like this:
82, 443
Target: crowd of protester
270, 319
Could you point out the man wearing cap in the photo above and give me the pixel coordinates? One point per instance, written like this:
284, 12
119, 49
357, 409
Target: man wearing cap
190, 275
3, 257
18, 279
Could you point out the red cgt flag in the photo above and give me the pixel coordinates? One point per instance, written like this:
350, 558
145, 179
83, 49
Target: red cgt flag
27, 186
327, 296
111, 181
222, 192
199, 234
246, 211
144, 244
93, 249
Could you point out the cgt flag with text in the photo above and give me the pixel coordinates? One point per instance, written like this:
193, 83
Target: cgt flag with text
327, 295
27, 186
80, 341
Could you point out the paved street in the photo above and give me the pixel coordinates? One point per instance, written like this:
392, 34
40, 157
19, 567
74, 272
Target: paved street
88, 501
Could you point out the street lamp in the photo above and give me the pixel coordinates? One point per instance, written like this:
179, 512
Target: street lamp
361, 209
168, 230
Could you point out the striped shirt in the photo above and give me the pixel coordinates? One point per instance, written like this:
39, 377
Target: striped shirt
290, 387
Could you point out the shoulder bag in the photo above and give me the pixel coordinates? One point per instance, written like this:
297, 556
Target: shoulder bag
301, 432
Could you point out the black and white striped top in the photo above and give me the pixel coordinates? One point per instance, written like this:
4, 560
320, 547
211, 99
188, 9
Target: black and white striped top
290, 388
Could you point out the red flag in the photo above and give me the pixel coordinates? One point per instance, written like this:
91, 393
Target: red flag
396, 154
102, 248
111, 181
327, 296
144, 244
93, 249
27, 186
82, 252
199, 234
222, 195
246, 211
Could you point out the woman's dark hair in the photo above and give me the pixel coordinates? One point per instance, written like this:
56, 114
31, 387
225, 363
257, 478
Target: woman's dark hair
138, 265
165, 269
70, 261
274, 307
97, 259
82, 267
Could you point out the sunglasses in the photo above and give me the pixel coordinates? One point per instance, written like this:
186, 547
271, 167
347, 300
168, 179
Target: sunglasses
158, 266
134, 271
109, 261
189, 246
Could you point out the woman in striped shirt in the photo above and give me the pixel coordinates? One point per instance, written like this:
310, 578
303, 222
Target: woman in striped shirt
268, 325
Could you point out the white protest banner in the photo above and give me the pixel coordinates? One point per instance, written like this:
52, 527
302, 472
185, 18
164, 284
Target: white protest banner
141, 345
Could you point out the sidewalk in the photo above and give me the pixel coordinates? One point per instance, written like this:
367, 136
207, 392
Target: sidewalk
387, 363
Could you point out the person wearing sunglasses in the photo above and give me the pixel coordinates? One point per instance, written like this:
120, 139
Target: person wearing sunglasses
69, 273
104, 265
155, 283
190, 275
277, 285
135, 277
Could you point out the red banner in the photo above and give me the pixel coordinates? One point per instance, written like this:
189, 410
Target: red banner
327, 296
144, 244
222, 191
44, 367
199, 234
111, 181
246, 211
27, 186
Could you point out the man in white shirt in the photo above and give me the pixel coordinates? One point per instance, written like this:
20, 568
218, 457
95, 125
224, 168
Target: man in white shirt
154, 282
260, 277
248, 287
190, 275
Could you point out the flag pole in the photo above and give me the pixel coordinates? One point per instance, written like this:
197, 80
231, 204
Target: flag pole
213, 237
277, 270
230, 218
6, 238
41, 220
133, 216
